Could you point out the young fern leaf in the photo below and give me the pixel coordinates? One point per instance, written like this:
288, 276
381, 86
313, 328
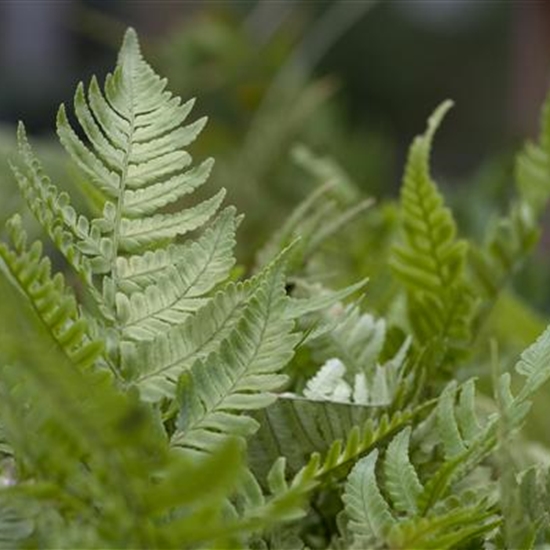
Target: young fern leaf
402, 481
143, 283
369, 513
183, 276
533, 166
78, 239
51, 299
430, 263
241, 374
134, 154
408, 525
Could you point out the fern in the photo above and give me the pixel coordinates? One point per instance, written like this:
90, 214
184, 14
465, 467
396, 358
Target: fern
402, 480
53, 301
166, 403
431, 260
427, 514
141, 283
533, 166
241, 374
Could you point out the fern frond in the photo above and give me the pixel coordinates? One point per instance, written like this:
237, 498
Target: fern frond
332, 435
78, 239
51, 299
533, 166
182, 276
143, 282
430, 262
402, 481
408, 524
241, 374
133, 153
200, 264
444, 531
369, 514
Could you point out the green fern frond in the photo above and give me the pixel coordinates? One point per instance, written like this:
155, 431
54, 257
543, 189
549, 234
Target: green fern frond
78, 239
407, 524
330, 435
444, 531
430, 262
143, 282
182, 276
533, 166
368, 512
295, 427
402, 481
51, 299
133, 154
241, 374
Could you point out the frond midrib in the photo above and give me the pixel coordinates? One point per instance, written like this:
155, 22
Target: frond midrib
122, 183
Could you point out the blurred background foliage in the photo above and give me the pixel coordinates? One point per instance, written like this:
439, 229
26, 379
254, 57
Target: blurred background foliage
303, 96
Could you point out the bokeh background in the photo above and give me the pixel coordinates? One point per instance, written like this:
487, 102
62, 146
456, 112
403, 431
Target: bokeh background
283, 82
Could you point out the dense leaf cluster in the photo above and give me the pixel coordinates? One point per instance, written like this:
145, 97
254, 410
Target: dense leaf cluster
158, 400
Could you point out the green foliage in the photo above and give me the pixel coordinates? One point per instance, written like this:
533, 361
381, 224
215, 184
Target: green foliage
151, 397
431, 261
